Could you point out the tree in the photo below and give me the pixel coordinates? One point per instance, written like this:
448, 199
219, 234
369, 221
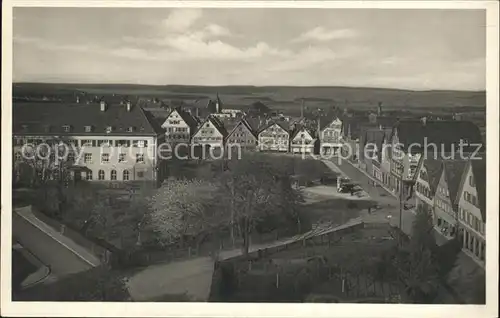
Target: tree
253, 190
47, 166
417, 262
183, 209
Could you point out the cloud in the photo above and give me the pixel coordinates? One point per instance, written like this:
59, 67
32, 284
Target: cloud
181, 19
323, 35
216, 30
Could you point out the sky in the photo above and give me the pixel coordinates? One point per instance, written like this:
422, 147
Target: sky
391, 48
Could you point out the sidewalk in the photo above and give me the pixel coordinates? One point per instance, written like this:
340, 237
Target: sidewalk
69, 244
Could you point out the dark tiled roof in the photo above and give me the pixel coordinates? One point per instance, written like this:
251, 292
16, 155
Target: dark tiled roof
440, 133
325, 121
454, 170
217, 124
244, 122
434, 170
272, 122
298, 129
188, 119
49, 118
479, 171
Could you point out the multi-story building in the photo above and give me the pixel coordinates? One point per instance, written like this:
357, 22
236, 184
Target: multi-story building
471, 202
330, 136
179, 126
445, 207
209, 137
302, 140
242, 135
427, 178
273, 137
107, 143
410, 139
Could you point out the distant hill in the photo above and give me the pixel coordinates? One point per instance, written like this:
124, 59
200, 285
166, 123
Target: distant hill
284, 96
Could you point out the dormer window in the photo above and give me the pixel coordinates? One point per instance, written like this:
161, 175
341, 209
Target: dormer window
88, 128
66, 128
47, 128
24, 128
109, 129
130, 129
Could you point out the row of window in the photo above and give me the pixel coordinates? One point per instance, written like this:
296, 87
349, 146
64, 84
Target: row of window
422, 189
101, 175
443, 191
87, 158
444, 206
270, 135
179, 137
86, 142
88, 128
474, 245
471, 198
197, 139
177, 129
471, 220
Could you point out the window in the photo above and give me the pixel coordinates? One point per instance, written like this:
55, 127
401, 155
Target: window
88, 143
71, 157
113, 175
139, 158
471, 181
125, 175
108, 143
130, 129
87, 158
123, 143
18, 156
474, 200
140, 174
66, 128
105, 158
89, 175
121, 157
88, 128
101, 175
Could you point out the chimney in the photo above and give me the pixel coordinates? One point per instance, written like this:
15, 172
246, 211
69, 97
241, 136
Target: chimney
78, 99
379, 109
103, 106
424, 120
129, 105
197, 111
302, 109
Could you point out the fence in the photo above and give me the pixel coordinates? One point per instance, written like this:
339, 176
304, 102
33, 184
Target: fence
100, 248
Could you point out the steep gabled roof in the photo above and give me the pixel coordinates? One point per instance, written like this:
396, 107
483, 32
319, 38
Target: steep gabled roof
37, 117
326, 121
216, 123
434, 170
479, 172
454, 169
271, 123
243, 122
298, 129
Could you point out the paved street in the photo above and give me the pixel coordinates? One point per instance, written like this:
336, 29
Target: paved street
52, 253
388, 202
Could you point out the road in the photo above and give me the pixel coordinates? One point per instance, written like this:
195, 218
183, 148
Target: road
60, 259
389, 203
